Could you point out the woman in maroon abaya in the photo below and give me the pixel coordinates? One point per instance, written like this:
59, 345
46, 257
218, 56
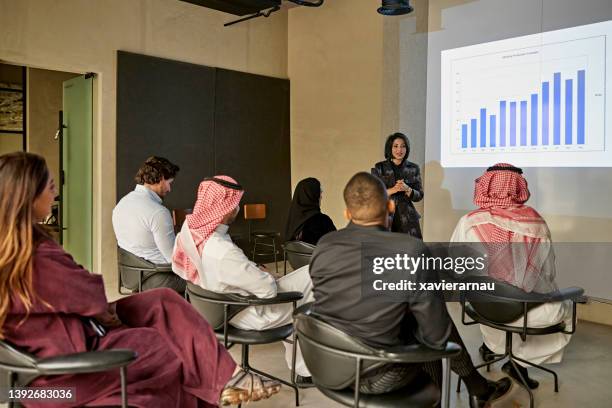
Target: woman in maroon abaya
44, 294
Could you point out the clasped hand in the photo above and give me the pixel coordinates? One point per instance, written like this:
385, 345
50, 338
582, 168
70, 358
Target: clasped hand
400, 185
109, 319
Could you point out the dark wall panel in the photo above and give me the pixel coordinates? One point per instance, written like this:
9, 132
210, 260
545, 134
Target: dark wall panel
209, 121
252, 141
164, 108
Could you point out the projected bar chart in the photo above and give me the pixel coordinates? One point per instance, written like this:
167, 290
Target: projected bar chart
536, 100
535, 115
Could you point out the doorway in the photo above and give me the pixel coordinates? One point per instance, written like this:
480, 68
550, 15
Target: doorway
50, 113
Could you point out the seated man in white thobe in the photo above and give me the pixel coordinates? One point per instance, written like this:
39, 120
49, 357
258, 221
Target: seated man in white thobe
520, 253
205, 255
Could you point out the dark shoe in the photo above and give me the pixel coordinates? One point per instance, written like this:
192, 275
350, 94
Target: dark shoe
497, 389
485, 353
509, 369
303, 382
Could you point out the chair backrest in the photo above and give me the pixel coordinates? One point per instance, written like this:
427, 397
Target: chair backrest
254, 211
178, 217
298, 253
130, 266
328, 369
11, 356
497, 306
211, 305
15, 360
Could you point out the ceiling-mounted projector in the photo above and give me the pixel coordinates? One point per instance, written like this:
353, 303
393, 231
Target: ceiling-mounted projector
237, 7
250, 8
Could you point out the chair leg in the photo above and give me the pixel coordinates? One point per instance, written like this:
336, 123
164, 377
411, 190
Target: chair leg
274, 249
246, 367
12, 379
293, 357
488, 363
523, 382
541, 368
254, 249
124, 397
446, 380
285, 264
245, 358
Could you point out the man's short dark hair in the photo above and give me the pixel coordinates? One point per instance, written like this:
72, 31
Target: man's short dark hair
365, 197
155, 169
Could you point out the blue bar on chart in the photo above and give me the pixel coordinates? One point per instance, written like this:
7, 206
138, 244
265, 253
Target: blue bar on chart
492, 132
502, 123
483, 128
545, 90
568, 111
557, 109
523, 123
534, 119
540, 120
580, 113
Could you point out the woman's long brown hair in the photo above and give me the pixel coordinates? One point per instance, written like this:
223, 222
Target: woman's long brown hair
23, 177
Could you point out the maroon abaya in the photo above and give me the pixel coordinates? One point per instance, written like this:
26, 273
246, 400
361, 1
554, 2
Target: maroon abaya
179, 364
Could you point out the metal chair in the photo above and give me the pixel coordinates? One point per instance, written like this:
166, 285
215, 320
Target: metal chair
297, 253
133, 270
178, 217
507, 304
337, 360
22, 368
264, 242
219, 308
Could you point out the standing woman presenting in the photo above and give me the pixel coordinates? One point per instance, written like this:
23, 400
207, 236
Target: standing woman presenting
403, 181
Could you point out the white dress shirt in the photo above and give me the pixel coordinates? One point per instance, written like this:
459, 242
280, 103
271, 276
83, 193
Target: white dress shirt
143, 226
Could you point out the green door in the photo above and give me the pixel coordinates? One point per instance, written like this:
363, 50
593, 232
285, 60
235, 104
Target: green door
77, 195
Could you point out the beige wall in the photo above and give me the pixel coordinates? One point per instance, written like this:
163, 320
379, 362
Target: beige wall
84, 35
336, 71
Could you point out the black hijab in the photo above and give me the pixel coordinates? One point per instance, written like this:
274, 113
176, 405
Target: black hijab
305, 204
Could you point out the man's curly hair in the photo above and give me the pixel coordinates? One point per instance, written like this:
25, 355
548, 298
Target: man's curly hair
154, 169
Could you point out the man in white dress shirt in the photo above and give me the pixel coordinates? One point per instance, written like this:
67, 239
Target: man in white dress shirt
205, 255
143, 226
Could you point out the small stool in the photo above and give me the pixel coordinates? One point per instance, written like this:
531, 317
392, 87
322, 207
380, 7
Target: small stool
265, 243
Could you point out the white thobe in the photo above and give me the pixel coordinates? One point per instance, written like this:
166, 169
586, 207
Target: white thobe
537, 349
224, 268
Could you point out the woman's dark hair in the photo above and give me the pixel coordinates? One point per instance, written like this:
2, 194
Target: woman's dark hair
389, 145
155, 169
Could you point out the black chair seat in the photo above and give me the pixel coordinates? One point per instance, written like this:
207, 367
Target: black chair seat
531, 331
421, 394
251, 337
265, 234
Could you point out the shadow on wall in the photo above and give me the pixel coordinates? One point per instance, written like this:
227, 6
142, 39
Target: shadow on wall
436, 7
441, 218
